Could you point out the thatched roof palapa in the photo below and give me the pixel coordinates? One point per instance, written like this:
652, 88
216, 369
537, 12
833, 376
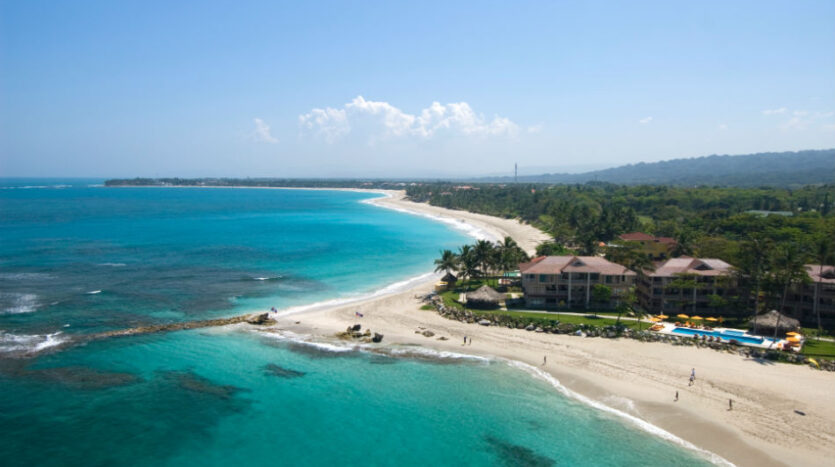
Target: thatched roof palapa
449, 278
769, 321
484, 297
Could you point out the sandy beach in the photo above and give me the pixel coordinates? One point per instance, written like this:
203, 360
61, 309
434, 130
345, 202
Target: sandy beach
635, 378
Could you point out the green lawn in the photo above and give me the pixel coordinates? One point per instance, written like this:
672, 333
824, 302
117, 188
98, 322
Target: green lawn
814, 348
563, 318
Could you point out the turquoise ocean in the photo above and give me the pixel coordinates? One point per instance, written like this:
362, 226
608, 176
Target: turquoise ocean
78, 258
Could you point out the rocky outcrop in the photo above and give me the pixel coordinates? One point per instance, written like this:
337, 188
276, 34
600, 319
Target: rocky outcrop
353, 333
258, 319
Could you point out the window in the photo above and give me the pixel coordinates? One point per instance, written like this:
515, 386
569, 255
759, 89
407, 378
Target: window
608, 279
543, 278
595, 276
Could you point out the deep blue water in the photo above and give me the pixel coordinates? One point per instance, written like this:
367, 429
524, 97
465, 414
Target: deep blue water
236, 397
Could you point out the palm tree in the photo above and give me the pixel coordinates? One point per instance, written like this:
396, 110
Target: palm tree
510, 254
626, 304
448, 262
790, 270
684, 243
823, 253
484, 254
467, 262
753, 261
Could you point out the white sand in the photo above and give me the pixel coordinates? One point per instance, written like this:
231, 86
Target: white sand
637, 378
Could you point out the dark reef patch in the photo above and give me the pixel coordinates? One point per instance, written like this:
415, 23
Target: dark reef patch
193, 382
281, 372
515, 455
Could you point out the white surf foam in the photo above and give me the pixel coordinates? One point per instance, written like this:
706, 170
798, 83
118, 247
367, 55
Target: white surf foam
114, 265
28, 343
387, 290
94, 292
306, 340
20, 303
432, 353
22, 276
638, 422
269, 278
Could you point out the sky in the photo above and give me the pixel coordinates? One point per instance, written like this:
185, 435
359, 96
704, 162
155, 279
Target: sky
405, 89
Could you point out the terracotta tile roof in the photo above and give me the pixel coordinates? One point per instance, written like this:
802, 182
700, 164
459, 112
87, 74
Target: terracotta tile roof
688, 265
636, 236
560, 264
826, 277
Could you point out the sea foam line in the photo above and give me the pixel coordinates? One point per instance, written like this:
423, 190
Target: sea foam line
391, 351
28, 343
387, 290
640, 423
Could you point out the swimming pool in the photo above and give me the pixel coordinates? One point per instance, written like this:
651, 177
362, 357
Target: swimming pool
725, 335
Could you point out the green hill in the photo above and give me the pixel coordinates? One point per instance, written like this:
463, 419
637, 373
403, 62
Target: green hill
762, 169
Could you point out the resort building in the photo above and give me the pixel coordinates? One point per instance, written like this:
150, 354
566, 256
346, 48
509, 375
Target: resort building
696, 286
656, 248
568, 281
801, 301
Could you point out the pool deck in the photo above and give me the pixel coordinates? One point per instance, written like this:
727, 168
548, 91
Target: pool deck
778, 344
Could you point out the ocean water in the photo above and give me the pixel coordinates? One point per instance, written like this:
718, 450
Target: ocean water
97, 258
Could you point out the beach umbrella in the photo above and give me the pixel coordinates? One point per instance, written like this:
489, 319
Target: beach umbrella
711, 319
793, 339
654, 319
663, 316
682, 316
696, 317
814, 362
792, 333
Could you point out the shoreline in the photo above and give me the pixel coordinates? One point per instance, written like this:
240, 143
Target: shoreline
633, 378
599, 370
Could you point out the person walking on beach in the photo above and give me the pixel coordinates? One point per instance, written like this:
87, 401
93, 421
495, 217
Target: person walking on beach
465, 340
693, 374
544, 360
730, 404
676, 399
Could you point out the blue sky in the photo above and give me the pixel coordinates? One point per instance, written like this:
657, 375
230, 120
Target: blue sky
91, 88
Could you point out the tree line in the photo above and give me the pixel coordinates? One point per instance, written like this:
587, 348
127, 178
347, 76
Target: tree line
768, 252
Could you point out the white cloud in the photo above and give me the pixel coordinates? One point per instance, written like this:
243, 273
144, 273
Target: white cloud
723, 126
536, 128
645, 120
802, 119
382, 119
774, 111
262, 132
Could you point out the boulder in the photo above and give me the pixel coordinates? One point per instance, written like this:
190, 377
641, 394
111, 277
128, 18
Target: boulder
377, 337
258, 319
485, 322
530, 327
428, 333
356, 327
